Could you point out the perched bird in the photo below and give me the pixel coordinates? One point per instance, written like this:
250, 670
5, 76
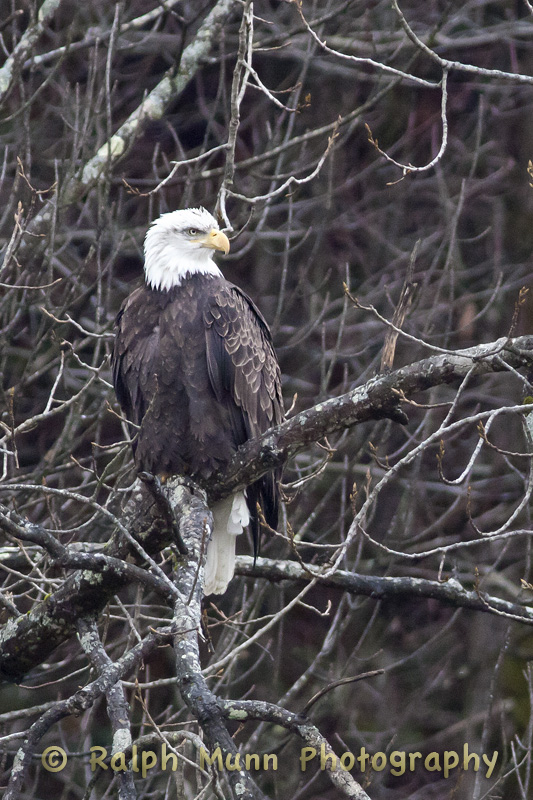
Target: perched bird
194, 367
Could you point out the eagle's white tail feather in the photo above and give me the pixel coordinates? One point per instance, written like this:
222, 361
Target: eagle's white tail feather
230, 517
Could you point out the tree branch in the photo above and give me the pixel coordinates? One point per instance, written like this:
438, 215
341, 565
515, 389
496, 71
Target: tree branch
447, 591
378, 398
242, 710
195, 522
25, 44
118, 708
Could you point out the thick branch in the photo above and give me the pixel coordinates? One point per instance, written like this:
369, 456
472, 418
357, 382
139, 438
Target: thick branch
118, 708
378, 398
449, 591
195, 522
242, 710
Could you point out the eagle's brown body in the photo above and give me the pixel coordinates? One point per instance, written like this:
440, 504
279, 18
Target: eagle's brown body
195, 368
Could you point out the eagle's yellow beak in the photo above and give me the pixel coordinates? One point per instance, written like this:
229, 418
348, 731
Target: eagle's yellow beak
216, 240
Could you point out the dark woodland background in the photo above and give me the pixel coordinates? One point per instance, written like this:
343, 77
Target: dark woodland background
451, 675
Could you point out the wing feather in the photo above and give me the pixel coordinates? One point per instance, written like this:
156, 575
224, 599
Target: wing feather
244, 375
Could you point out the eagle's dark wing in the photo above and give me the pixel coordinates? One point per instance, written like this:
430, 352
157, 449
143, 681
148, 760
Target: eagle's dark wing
245, 377
134, 354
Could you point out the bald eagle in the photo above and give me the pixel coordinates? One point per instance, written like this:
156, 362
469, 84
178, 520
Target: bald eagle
194, 368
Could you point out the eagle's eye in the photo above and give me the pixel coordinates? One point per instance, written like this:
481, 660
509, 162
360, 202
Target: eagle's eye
193, 232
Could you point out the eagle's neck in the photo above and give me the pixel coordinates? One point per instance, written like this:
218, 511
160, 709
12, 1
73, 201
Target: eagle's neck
165, 266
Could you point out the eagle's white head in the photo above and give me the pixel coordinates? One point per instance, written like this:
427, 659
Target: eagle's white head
182, 243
